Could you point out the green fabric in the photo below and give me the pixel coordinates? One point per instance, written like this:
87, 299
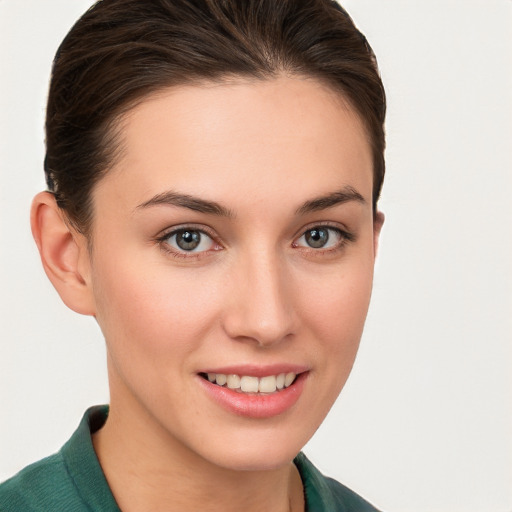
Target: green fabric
72, 481
69, 481
324, 494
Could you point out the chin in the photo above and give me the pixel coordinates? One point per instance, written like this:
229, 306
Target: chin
256, 460
258, 449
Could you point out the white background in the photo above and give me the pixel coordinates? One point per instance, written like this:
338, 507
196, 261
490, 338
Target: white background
425, 422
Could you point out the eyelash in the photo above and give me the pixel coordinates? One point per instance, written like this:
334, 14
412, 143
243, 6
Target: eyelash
164, 244
345, 238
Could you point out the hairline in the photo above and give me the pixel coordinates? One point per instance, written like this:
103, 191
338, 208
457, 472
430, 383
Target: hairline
114, 145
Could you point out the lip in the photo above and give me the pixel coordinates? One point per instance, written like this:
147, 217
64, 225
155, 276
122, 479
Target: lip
258, 405
257, 371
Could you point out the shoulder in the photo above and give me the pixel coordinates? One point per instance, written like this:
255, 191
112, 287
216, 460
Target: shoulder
70, 480
44, 485
345, 497
325, 494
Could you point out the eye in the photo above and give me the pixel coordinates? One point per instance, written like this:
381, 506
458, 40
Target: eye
322, 237
188, 240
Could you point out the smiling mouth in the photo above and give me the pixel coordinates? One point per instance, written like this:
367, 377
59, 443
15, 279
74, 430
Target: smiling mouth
252, 385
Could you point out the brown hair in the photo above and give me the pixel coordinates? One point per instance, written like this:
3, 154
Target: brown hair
120, 51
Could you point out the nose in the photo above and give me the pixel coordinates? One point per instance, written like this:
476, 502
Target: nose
260, 303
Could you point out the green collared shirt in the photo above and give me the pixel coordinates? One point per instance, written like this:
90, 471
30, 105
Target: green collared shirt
72, 481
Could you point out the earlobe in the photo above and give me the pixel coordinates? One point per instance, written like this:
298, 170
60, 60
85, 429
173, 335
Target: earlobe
378, 222
64, 254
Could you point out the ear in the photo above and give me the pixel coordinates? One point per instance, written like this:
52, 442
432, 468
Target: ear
64, 254
378, 222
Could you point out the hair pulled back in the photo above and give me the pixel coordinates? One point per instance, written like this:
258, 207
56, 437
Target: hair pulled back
120, 51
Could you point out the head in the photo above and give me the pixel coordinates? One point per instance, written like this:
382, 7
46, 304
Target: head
214, 169
121, 52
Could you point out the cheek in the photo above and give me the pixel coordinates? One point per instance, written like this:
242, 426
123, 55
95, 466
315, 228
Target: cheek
152, 307
336, 305
333, 307
334, 313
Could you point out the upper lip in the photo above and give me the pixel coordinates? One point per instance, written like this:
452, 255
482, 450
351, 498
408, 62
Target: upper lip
257, 370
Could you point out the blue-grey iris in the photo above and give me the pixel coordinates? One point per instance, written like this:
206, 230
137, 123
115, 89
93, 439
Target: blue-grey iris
317, 237
188, 240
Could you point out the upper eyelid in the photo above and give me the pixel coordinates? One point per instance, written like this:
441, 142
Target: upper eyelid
323, 224
163, 241
166, 233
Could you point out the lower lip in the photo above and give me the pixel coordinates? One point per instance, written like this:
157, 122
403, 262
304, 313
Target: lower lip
256, 405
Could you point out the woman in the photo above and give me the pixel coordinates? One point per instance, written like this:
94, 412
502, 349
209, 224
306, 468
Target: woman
213, 171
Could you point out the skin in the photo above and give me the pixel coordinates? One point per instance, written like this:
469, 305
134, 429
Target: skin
255, 292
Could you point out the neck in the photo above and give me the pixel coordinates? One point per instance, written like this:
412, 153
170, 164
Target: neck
148, 471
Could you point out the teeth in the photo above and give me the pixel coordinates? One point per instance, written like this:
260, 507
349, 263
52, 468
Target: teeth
233, 381
290, 377
220, 379
267, 384
249, 384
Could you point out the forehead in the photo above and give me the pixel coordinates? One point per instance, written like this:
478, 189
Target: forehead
274, 138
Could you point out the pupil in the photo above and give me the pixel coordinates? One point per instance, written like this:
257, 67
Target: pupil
188, 240
317, 238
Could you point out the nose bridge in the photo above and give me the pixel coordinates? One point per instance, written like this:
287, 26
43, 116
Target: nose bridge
261, 308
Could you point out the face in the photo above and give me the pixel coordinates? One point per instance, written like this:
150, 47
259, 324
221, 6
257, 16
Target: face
231, 266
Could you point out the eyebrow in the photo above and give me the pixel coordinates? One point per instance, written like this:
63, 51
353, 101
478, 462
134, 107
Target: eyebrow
344, 195
197, 204
172, 198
